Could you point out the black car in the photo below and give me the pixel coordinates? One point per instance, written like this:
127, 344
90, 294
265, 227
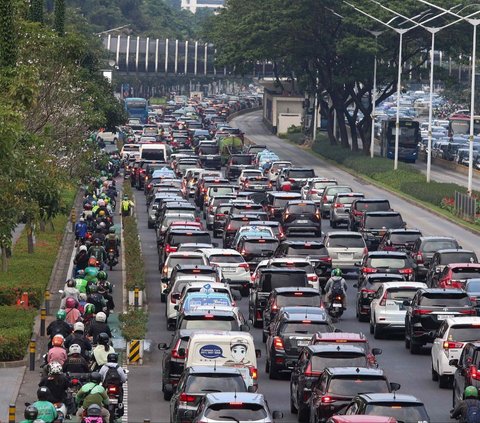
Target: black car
424, 249
289, 333
276, 202
375, 224
403, 408
338, 385
467, 373
269, 280
233, 223
427, 310
211, 161
286, 297
254, 249
236, 163
303, 216
386, 262
366, 289
311, 363
443, 257
362, 205
399, 239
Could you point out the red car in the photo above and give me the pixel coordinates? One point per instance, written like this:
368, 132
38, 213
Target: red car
455, 275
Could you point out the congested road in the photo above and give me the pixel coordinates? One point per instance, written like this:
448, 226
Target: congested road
412, 372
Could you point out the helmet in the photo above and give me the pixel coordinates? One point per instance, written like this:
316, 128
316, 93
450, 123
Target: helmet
92, 261
89, 309
54, 368
107, 200
101, 213
82, 297
103, 339
57, 340
79, 327
43, 393
125, 197
87, 206
111, 230
102, 275
74, 349
471, 392
95, 377
102, 225
94, 410
112, 358
71, 283
61, 314
92, 288
82, 219
101, 317
101, 203
94, 203
31, 412
336, 272
70, 302
82, 248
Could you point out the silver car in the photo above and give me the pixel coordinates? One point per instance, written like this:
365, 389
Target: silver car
340, 207
345, 248
327, 196
314, 189
213, 202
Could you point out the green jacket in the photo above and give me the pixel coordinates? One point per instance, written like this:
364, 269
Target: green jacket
91, 393
46, 411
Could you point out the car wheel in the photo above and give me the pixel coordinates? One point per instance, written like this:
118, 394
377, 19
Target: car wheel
209, 226
166, 396
333, 224
303, 414
293, 409
150, 225
267, 366
371, 327
273, 373
163, 298
414, 347
434, 374
377, 332
444, 381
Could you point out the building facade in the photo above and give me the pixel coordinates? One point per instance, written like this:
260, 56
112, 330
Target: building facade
194, 5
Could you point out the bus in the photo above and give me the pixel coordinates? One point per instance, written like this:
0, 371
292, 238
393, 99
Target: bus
409, 138
459, 124
137, 108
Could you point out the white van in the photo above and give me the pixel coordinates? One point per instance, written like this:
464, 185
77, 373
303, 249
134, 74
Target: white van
222, 348
160, 152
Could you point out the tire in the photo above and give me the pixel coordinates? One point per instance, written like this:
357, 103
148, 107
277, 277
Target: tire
333, 224
371, 327
407, 342
293, 409
414, 347
163, 298
273, 373
150, 226
434, 374
267, 367
303, 414
444, 382
377, 333
166, 397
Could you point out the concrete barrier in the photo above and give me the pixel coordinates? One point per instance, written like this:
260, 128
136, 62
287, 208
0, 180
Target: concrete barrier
447, 164
243, 112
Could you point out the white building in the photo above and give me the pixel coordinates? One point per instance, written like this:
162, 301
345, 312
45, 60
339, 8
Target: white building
193, 5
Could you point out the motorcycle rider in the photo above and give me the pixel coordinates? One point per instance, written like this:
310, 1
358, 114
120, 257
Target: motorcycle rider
78, 337
71, 308
102, 350
95, 298
336, 285
104, 288
59, 326
69, 291
46, 410
99, 326
81, 282
97, 251
81, 259
127, 206
80, 231
75, 363
57, 353
58, 383
99, 232
30, 414
93, 393
113, 374
112, 241
468, 410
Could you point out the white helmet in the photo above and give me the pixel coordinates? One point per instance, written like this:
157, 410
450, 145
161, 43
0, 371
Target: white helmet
79, 326
101, 317
55, 368
83, 248
101, 203
74, 349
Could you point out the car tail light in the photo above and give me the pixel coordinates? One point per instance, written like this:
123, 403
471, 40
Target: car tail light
338, 205
149, 186
219, 214
175, 350
365, 251
367, 292
313, 191
112, 389
291, 180
318, 215
244, 266
326, 259
278, 343
474, 373
229, 227
309, 372
469, 312
419, 258
421, 311
170, 249
383, 301
253, 372
298, 294
274, 307
312, 278
369, 270
447, 345
406, 271
327, 400
473, 300
187, 398
243, 252
75, 381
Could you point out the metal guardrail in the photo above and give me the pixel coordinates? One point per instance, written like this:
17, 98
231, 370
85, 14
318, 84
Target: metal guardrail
465, 206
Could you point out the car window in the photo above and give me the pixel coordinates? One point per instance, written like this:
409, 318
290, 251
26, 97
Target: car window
391, 262
298, 299
473, 286
464, 333
173, 261
241, 160
226, 258
305, 265
390, 221
400, 293
270, 281
373, 206
260, 246
281, 201
301, 173
465, 272
432, 246
338, 359
346, 199
306, 250
457, 257
332, 190
210, 324
408, 413
444, 300
301, 208
235, 412
321, 185
404, 237
202, 238
345, 241
351, 386
305, 327
215, 383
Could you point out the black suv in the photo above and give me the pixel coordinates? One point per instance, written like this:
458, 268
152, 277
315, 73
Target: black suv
233, 223
286, 297
386, 262
443, 257
236, 163
338, 385
303, 216
254, 249
289, 333
366, 289
276, 202
375, 224
269, 280
423, 250
362, 205
399, 239
467, 373
428, 309
310, 366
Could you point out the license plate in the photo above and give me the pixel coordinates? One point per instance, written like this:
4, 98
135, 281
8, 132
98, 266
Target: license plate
337, 305
303, 343
113, 401
444, 316
229, 269
345, 256
302, 221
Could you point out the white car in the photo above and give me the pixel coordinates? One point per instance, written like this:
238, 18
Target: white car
274, 171
451, 337
174, 258
246, 173
345, 248
387, 309
297, 263
232, 264
105, 136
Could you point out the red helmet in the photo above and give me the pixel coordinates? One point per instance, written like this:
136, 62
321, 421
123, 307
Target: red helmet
57, 341
92, 261
70, 302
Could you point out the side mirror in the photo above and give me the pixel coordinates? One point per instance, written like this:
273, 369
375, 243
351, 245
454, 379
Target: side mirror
437, 270
258, 353
162, 346
252, 389
453, 362
176, 296
168, 389
245, 328
277, 415
377, 351
395, 386
176, 307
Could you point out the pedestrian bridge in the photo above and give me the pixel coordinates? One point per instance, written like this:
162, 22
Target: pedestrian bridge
170, 57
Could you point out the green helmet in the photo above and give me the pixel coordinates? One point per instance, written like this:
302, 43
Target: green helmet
111, 230
89, 309
336, 272
471, 392
102, 275
61, 314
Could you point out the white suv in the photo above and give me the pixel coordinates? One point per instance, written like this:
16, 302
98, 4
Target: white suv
451, 337
387, 309
345, 248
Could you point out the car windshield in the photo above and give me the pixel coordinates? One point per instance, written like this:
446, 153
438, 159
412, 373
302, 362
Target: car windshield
215, 383
306, 250
323, 184
335, 190
304, 265
235, 412
298, 299
431, 299
473, 285
464, 333
191, 302
457, 257
301, 173
301, 209
199, 238
305, 327
208, 149
214, 191
338, 359
345, 241
405, 413
372, 206
465, 272
404, 237
173, 261
400, 293
432, 246
226, 258
347, 199
277, 166
390, 221
281, 201
260, 246
391, 262
351, 385
241, 160
210, 324
282, 280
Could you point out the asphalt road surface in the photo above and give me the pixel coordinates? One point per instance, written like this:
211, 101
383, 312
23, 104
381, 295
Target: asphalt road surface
412, 372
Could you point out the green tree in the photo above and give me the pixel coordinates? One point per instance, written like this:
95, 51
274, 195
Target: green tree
36, 11
8, 39
59, 18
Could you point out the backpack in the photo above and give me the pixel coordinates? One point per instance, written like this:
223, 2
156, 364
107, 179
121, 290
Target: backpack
112, 377
92, 420
473, 412
337, 286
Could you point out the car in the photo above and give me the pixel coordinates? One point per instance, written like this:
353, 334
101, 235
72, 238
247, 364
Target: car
287, 297
215, 190
196, 382
175, 237
386, 262
233, 223
202, 186
313, 190
327, 197
339, 385
312, 361
455, 275
362, 205
428, 309
472, 287
399, 239
467, 371
210, 208
152, 215
219, 218
441, 258
423, 250
301, 216
294, 178
340, 207
248, 173
345, 248
297, 263
388, 307
276, 202
268, 280
214, 319
450, 338
366, 289
236, 163
256, 248
252, 230
274, 170
180, 258
374, 225
403, 408
358, 418
230, 406
255, 184
288, 333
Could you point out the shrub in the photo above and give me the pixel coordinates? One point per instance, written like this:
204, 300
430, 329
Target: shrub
134, 324
15, 331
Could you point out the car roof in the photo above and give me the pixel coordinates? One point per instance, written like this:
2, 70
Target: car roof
387, 254
354, 371
472, 265
282, 270
298, 242
333, 336
404, 230
213, 311
390, 397
344, 233
362, 418
467, 320
443, 291
185, 254
346, 347
381, 213
187, 232
296, 289
296, 202
453, 250
436, 238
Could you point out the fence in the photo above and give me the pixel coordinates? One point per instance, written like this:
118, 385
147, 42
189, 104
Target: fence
465, 206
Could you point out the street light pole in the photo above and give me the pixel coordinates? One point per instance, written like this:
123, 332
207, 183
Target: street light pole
430, 109
376, 34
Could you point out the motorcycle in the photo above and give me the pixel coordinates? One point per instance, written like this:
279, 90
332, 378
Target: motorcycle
115, 406
111, 258
335, 307
61, 412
